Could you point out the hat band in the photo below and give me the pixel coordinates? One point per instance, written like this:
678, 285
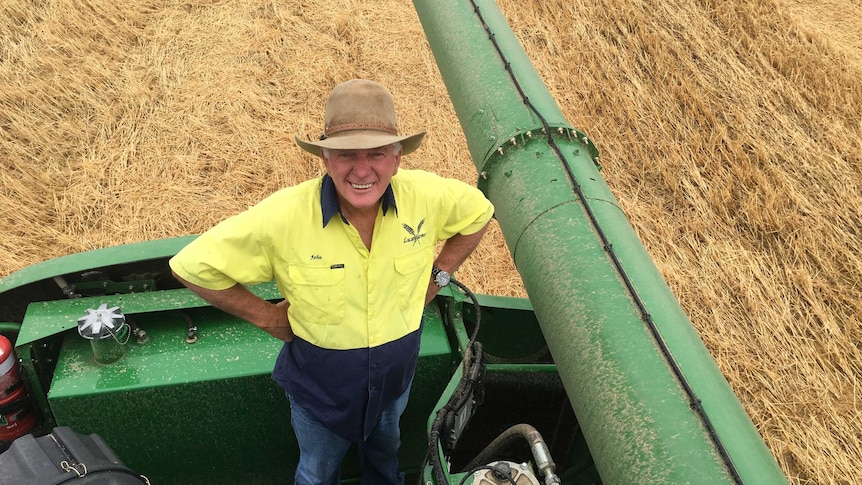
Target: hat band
331, 130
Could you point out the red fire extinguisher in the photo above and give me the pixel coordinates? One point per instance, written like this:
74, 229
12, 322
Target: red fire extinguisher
16, 413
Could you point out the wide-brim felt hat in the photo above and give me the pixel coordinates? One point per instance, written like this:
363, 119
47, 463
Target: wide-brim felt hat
360, 114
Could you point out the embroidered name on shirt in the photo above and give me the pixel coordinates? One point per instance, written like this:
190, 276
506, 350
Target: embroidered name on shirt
415, 235
316, 257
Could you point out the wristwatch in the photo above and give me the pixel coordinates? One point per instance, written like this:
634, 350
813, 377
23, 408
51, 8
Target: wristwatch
441, 278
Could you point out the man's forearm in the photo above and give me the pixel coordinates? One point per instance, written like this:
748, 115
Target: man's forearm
242, 303
454, 252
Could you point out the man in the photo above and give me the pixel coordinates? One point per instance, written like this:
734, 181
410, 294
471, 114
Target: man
353, 255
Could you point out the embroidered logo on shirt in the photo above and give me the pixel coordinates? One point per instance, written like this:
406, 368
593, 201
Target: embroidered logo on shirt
415, 235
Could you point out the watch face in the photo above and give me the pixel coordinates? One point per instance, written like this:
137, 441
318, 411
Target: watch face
441, 278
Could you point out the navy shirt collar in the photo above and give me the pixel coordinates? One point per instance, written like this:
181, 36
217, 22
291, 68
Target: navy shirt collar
329, 200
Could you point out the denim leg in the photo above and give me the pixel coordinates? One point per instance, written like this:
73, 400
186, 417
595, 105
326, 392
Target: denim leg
320, 450
379, 452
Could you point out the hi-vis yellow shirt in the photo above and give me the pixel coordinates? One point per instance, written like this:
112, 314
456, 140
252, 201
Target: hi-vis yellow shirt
356, 314
342, 296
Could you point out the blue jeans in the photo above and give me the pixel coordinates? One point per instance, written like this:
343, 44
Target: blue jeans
321, 451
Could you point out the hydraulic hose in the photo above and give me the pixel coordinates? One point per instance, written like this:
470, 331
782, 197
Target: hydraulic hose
531, 435
473, 372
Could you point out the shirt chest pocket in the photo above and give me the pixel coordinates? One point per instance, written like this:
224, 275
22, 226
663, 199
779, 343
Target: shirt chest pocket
318, 294
412, 274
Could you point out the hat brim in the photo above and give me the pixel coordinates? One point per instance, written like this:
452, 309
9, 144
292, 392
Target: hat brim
362, 140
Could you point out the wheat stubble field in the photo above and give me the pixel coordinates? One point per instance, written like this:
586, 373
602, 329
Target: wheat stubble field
731, 133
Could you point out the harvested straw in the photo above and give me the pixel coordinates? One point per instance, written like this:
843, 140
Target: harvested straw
730, 133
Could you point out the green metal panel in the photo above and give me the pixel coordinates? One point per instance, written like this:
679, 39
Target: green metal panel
64, 277
509, 330
47, 318
180, 412
96, 258
206, 412
638, 422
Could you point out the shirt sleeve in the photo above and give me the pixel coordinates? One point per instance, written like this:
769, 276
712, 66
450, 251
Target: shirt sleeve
468, 210
229, 253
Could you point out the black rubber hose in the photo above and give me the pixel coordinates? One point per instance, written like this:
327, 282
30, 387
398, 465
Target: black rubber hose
504, 440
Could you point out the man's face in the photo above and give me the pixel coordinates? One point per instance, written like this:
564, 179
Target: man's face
361, 176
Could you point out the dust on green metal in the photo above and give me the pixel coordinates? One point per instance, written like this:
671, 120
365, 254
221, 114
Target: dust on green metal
636, 417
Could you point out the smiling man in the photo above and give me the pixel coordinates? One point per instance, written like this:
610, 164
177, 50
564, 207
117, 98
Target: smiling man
352, 253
